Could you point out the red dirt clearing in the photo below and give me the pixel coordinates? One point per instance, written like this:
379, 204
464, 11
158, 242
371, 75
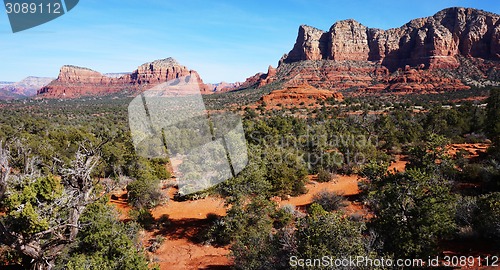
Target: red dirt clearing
399, 165
471, 149
179, 251
344, 184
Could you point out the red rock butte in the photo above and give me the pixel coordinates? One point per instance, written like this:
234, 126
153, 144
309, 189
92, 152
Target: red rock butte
437, 53
448, 51
74, 82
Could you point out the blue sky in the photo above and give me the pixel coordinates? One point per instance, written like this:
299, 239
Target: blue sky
222, 40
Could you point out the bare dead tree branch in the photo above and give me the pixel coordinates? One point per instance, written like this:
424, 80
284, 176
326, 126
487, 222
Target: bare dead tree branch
5, 169
43, 247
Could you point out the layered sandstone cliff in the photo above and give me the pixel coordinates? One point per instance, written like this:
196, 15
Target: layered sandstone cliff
74, 82
437, 53
299, 95
432, 41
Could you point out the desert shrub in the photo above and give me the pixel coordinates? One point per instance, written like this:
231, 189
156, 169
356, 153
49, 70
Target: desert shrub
487, 220
104, 243
144, 217
329, 200
217, 234
418, 207
156, 243
282, 217
144, 193
466, 211
285, 171
328, 234
324, 176
486, 173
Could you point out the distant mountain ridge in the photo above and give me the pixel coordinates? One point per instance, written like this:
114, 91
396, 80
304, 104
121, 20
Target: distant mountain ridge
28, 87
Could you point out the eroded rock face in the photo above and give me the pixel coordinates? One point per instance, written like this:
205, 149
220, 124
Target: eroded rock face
438, 53
422, 81
433, 41
158, 71
348, 40
74, 82
298, 95
311, 44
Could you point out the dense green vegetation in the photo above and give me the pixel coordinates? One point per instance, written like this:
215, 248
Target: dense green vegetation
58, 160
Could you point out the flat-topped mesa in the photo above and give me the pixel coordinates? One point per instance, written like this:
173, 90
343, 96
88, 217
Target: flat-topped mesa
74, 82
159, 71
433, 41
75, 74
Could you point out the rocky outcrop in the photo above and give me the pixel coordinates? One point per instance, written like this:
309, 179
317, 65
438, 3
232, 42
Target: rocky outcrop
298, 96
224, 87
422, 81
74, 82
158, 71
439, 53
311, 44
433, 41
348, 40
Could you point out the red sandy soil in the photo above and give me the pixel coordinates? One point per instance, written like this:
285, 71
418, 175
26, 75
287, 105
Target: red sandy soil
179, 251
187, 218
399, 165
344, 184
472, 149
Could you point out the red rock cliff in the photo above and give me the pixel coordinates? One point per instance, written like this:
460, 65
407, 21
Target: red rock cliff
432, 41
438, 53
74, 82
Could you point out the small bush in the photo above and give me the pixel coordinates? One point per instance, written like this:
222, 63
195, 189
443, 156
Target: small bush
282, 218
144, 193
487, 220
217, 234
329, 200
324, 176
156, 243
144, 217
